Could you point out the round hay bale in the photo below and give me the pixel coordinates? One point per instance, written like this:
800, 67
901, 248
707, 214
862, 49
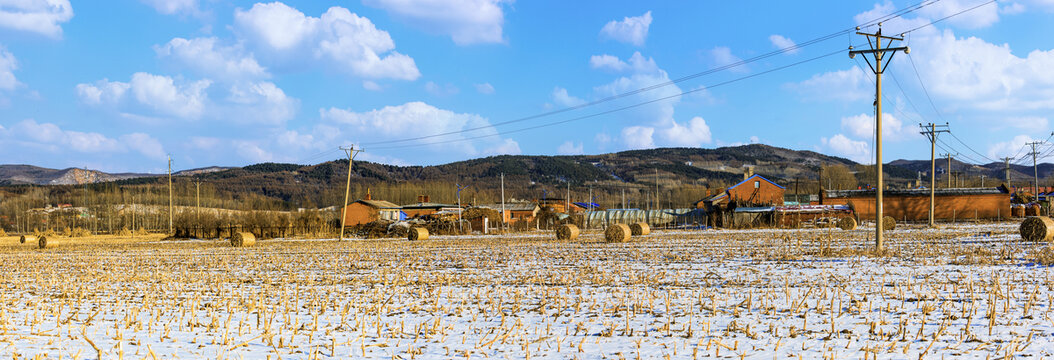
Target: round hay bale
243, 239
1036, 228
618, 233
889, 223
26, 238
417, 233
640, 228
43, 243
847, 223
567, 232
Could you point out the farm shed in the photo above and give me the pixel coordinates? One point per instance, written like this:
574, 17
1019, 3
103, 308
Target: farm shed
793, 215
558, 205
914, 204
754, 191
426, 208
369, 210
515, 212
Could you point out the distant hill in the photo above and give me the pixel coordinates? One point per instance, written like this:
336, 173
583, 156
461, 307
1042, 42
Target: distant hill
681, 173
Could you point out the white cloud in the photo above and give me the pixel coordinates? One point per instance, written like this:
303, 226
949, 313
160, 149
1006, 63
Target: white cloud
562, 98
980, 17
166, 97
570, 148
862, 126
1011, 148
638, 137
1012, 9
485, 88
722, 56
207, 57
8, 65
841, 85
371, 85
417, 119
339, 39
694, 134
852, 149
1029, 123
51, 138
170, 7
505, 147
148, 96
441, 90
631, 30
39, 16
252, 151
606, 61
781, 42
466, 21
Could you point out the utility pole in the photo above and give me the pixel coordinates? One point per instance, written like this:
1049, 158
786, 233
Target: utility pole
623, 198
170, 195
948, 171
590, 201
931, 133
347, 189
503, 201
982, 180
197, 202
878, 51
567, 202
1006, 161
656, 189
1035, 169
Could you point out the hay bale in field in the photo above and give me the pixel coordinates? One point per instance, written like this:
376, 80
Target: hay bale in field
417, 233
640, 228
26, 238
889, 223
618, 233
1036, 228
847, 223
43, 243
243, 239
567, 232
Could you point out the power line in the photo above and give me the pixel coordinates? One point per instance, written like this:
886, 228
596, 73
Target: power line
949, 16
612, 110
970, 148
924, 90
795, 47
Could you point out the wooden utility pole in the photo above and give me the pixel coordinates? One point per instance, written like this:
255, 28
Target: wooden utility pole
170, 195
347, 188
878, 51
1035, 169
503, 201
948, 171
197, 202
931, 133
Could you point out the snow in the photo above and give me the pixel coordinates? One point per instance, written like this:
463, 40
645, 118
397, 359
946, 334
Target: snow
971, 291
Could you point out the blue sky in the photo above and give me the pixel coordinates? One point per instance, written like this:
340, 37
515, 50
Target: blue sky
119, 85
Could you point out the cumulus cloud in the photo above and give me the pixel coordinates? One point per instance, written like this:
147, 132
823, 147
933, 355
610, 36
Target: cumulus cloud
631, 30
562, 98
722, 56
209, 58
638, 137
695, 133
1029, 123
417, 119
781, 42
441, 90
148, 96
1009, 148
505, 147
38, 16
172, 7
8, 65
485, 88
606, 61
980, 17
843, 146
465, 21
51, 138
570, 148
862, 126
339, 39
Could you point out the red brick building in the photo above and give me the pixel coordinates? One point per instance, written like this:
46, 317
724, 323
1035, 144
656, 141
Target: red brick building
914, 204
754, 191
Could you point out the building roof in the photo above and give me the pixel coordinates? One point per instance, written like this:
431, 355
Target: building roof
586, 205
918, 192
380, 204
512, 206
428, 205
756, 176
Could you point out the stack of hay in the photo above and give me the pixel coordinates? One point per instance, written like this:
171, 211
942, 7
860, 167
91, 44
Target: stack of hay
418, 233
1037, 228
618, 233
640, 228
567, 232
889, 223
847, 223
243, 239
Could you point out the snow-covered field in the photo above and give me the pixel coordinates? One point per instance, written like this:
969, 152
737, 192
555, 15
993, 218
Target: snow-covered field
960, 291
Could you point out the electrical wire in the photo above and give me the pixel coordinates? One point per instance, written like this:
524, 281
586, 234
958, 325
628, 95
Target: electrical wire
564, 121
795, 47
948, 17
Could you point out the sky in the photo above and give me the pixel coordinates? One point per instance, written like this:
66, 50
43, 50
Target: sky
121, 85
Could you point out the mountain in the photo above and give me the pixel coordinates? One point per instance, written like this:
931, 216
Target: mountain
28, 174
971, 173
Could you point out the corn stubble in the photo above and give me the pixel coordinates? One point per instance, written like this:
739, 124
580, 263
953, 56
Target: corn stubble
819, 293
